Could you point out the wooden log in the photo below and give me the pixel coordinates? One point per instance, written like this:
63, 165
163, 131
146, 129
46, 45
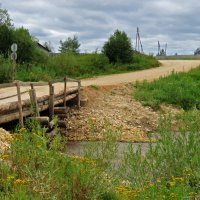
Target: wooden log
20, 105
65, 90
61, 110
42, 120
51, 101
83, 102
34, 103
13, 105
62, 123
12, 114
62, 116
4, 85
79, 94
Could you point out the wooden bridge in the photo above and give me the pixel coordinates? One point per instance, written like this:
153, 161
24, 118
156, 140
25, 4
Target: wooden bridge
21, 99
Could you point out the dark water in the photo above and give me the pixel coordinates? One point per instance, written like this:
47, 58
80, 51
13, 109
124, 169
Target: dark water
77, 148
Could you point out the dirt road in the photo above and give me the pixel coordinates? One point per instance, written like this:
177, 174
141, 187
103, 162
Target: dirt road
167, 66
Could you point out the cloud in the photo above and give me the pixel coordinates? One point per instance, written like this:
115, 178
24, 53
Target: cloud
173, 22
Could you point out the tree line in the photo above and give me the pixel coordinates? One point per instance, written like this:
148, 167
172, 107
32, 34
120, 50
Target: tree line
118, 48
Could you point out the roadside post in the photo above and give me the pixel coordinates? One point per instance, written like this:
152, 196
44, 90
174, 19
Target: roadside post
13, 58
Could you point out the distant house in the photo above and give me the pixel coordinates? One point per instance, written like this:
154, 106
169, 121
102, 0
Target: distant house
43, 48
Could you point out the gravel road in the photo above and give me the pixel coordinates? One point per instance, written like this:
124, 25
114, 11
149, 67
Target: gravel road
167, 66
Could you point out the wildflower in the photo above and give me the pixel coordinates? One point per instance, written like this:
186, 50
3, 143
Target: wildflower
158, 181
22, 130
10, 177
21, 181
179, 179
126, 183
5, 157
173, 195
172, 184
192, 193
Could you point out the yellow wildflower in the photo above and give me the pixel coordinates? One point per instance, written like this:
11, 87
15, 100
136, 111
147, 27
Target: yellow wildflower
21, 181
158, 181
10, 177
192, 193
5, 157
173, 195
172, 184
179, 179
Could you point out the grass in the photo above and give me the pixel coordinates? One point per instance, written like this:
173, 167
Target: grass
168, 170
75, 66
179, 89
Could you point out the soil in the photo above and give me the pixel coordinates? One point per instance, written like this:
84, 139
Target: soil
112, 107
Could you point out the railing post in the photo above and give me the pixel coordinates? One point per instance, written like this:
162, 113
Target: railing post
21, 121
34, 103
79, 94
51, 101
65, 90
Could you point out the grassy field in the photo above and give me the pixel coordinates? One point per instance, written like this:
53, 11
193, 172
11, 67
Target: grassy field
74, 66
179, 89
32, 169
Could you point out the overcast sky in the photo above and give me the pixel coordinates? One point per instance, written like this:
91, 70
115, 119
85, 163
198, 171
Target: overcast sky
175, 22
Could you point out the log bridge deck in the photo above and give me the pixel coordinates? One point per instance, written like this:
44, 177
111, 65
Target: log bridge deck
21, 99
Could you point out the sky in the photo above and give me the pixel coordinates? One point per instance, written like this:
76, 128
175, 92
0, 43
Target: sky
175, 22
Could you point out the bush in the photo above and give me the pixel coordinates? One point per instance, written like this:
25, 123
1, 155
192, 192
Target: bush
118, 48
5, 70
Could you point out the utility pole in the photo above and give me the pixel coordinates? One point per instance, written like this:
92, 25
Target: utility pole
166, 49
138, 46
158, 48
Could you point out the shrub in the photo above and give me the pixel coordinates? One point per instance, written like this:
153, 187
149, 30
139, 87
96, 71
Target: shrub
5, 70
118, 48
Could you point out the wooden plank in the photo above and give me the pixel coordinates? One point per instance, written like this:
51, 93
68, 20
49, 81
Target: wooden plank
62, 116
42, 120
65, 90
20, 105
5, 85
79, 94
51, 101
62, 123
26, 84
61, 110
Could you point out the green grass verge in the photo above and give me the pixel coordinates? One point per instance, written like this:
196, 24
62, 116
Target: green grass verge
180, 89
80, 66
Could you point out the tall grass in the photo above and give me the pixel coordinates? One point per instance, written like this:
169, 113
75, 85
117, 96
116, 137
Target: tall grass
169, 169
180, 89
5, 70
79, 66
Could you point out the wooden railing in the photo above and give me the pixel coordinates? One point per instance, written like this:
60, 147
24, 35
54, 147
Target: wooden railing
32, 93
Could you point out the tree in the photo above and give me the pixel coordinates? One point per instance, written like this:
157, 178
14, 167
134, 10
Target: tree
26, 46
5, 17
197, 51
6, 39
118, 48
6, 32
70, 45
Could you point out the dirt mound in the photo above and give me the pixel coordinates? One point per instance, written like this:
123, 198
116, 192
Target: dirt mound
5, 139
